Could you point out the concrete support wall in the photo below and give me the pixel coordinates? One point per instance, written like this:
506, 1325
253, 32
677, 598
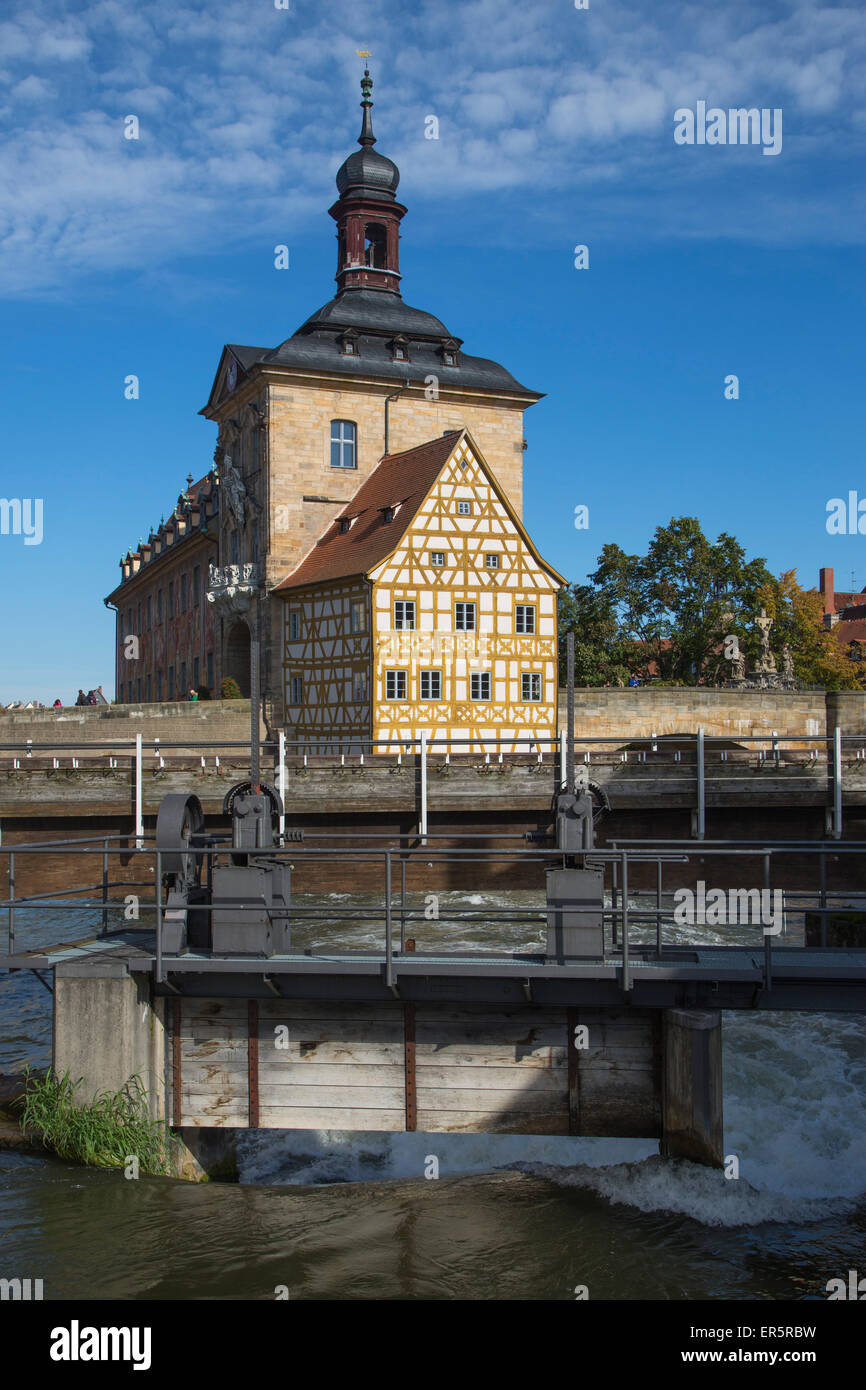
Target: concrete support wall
200, 721
692, 1115
107, 1028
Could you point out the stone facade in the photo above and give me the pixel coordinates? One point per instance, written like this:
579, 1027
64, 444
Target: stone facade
165, 632
639, 712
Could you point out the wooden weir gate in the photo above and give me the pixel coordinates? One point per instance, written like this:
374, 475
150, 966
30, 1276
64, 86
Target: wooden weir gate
274, 1064
626, 1043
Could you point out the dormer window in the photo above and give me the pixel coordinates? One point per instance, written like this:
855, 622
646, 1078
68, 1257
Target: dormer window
449, 353
349, 343
400, 349
387, 514
345, 523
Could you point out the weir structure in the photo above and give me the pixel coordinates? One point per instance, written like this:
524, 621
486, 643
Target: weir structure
242, 1007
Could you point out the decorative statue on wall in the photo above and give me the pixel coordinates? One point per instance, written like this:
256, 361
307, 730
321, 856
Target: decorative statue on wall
234, 491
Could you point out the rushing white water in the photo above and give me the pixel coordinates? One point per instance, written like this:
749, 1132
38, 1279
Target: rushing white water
794, 1106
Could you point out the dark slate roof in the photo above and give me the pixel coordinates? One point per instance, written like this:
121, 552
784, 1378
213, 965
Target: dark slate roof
375, 310
200, 493
399, 480
377, 316
369, 173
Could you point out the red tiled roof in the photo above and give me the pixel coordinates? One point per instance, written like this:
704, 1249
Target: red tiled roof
841, 601
403, 479
854, 631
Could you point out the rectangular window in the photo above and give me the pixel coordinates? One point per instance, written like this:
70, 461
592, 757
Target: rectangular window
159, 606
196, 672
210, 671
138, 691
147, 689
235, 551
196, 586
183, 593
464, 617
491, 561
530, 686
344, 436
359, 686
138, 624
294, 626
358, 615
171, 682
431, 685
296, 690
171, 598
524, 617
149, 611
464, 508
437, 557
183, 685
404, 615
479, 683
395, 685
159, 685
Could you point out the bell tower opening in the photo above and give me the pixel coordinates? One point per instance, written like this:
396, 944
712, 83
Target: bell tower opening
375, 245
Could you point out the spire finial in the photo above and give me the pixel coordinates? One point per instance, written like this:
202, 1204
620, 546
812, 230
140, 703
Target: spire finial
366, 137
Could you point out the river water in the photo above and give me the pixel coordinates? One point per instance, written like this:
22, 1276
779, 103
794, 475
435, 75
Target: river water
340, 1216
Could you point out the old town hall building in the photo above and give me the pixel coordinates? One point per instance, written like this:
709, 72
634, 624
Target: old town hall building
364, 511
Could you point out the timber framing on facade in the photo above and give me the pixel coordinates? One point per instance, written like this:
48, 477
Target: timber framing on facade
423, 608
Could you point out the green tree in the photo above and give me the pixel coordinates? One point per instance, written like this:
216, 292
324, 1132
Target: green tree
798, 623
678, 602
601, 655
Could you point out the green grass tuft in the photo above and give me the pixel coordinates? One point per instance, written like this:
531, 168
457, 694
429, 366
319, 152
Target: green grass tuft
102, 1133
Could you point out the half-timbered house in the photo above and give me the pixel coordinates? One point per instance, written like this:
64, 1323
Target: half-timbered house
423, 608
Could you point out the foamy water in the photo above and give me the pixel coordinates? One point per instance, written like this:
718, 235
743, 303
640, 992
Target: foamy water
794, 1108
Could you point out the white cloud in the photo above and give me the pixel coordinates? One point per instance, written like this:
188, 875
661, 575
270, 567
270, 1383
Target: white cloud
247, 111
31, 88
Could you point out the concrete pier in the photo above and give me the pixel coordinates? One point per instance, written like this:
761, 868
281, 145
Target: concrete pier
108, 1027
692, 1086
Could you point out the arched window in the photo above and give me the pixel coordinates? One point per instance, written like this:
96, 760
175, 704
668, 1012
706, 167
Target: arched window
344, 434
375, 242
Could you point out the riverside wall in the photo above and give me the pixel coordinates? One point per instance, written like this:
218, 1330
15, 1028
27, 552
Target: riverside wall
599, 712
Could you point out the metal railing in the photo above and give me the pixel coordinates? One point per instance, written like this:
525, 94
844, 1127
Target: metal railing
630, 909
698, 765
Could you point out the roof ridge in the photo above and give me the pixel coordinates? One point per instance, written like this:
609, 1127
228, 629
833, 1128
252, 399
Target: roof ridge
428, 443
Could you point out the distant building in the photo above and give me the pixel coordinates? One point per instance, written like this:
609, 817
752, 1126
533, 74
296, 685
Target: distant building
165, 628
844, 615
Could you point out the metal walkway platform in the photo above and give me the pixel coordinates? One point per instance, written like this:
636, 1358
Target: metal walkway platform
726, 977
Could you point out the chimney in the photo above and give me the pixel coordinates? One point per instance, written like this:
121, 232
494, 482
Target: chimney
825, 584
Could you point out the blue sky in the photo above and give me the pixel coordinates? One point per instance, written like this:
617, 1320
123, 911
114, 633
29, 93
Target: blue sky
555, 129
